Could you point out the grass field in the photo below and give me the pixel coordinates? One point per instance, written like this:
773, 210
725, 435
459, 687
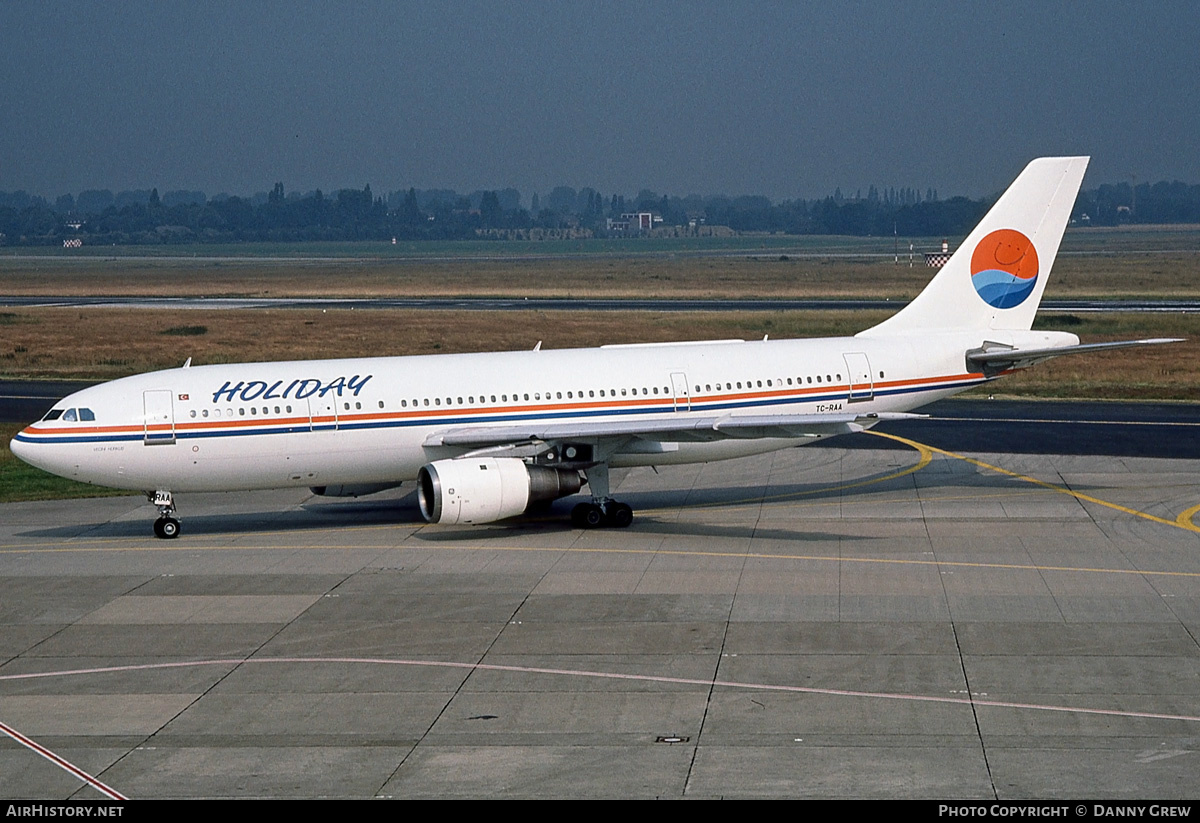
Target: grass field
1097, 264
106, 343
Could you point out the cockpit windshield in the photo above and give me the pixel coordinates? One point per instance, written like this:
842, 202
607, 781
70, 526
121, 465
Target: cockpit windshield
71, 415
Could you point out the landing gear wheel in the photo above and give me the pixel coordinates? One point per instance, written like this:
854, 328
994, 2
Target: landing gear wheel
619, 515
587, 516
166, 528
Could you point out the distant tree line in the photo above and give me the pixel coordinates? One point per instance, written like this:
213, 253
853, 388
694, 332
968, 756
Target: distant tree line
99, 217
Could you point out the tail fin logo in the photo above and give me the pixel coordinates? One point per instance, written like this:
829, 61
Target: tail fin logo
1004, 268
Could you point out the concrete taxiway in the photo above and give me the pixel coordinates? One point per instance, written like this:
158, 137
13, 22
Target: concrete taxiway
822, 622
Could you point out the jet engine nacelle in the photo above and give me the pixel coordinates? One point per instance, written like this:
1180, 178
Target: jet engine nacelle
487, 489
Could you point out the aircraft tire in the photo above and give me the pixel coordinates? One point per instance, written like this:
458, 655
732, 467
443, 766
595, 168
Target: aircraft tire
587, 516
166, 528
619, 515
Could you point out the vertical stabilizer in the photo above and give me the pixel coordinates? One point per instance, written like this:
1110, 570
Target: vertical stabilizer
996, 277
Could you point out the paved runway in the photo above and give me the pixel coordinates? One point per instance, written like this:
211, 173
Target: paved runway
822, 622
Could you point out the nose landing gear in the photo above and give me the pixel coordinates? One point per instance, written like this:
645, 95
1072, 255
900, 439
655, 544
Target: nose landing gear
166, 527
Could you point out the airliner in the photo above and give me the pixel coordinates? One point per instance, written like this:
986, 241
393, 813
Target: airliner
485, 436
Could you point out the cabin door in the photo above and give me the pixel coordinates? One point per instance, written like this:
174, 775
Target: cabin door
679, 385
323, 413
159, 419
862, 387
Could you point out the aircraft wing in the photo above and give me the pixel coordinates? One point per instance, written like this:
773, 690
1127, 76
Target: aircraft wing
685, 427
1008, 358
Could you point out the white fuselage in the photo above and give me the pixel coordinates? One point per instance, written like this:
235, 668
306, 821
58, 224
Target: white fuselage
366, 421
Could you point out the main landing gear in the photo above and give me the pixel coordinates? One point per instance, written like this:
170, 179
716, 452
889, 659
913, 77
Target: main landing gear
606, 513
602, 511
166, 527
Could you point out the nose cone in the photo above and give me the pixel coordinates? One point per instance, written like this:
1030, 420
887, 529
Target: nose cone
28, 448
23, 448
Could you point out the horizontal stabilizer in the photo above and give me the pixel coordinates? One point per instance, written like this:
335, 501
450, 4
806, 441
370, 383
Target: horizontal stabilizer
1020, 358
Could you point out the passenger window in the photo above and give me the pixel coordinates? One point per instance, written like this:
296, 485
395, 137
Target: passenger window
192, 413
204, 413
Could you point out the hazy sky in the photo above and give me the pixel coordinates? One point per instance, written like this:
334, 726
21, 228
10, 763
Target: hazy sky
785, 99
